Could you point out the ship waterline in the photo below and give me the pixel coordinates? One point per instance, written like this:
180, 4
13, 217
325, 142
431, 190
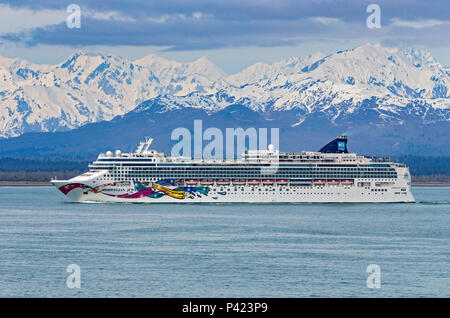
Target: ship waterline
329, 175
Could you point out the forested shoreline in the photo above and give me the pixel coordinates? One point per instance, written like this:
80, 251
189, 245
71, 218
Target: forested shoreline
424, 169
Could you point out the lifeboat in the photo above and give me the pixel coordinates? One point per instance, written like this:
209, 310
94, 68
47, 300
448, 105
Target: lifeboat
206, 182
347, 182
282, 182
333, 182
239, 182
180, 182
223, 182
267, 182
191, 182
253, 181
319, 182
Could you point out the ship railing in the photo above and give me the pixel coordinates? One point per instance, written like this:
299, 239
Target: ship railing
379, 158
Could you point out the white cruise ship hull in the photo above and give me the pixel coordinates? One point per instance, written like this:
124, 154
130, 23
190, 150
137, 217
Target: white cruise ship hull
234, 194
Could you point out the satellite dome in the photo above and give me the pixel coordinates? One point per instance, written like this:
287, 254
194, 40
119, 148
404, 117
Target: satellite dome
109, 154
271, 148
118, 153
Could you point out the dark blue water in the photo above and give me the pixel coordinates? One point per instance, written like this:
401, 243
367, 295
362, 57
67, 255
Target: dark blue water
230, 250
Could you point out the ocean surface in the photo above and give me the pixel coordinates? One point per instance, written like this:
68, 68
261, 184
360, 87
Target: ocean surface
228, 250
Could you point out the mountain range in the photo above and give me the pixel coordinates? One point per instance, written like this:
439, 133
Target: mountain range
399, 98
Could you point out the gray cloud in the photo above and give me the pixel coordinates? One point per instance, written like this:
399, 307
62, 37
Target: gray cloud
206, 24
349, 10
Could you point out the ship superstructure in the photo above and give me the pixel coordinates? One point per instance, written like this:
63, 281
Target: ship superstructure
330, 175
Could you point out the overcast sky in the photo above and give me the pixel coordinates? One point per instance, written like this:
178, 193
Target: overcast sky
231, 33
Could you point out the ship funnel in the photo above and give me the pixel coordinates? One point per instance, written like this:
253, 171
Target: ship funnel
339, 145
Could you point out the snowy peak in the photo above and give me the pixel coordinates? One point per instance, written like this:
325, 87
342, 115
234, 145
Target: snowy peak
6, 62
262, 71
206, 68
202, 67
180, 79
405, 73
153, 60
420, 58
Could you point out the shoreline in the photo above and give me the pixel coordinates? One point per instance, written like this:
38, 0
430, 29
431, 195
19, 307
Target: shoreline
25, 183
431, 185
47, 184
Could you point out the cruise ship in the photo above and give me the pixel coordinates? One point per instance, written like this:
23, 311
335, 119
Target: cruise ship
332, 174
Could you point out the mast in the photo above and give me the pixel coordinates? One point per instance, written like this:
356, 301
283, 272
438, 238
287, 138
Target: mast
144, 145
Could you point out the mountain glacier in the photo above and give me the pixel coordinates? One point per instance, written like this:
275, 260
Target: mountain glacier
371, 83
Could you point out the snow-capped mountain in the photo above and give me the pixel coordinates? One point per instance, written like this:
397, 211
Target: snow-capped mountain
394, 83
371, 82
89, 88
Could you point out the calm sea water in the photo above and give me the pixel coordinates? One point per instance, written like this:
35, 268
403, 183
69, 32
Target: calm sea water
230, 250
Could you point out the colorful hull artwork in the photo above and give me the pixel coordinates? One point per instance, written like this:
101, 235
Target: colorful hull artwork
155, 191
